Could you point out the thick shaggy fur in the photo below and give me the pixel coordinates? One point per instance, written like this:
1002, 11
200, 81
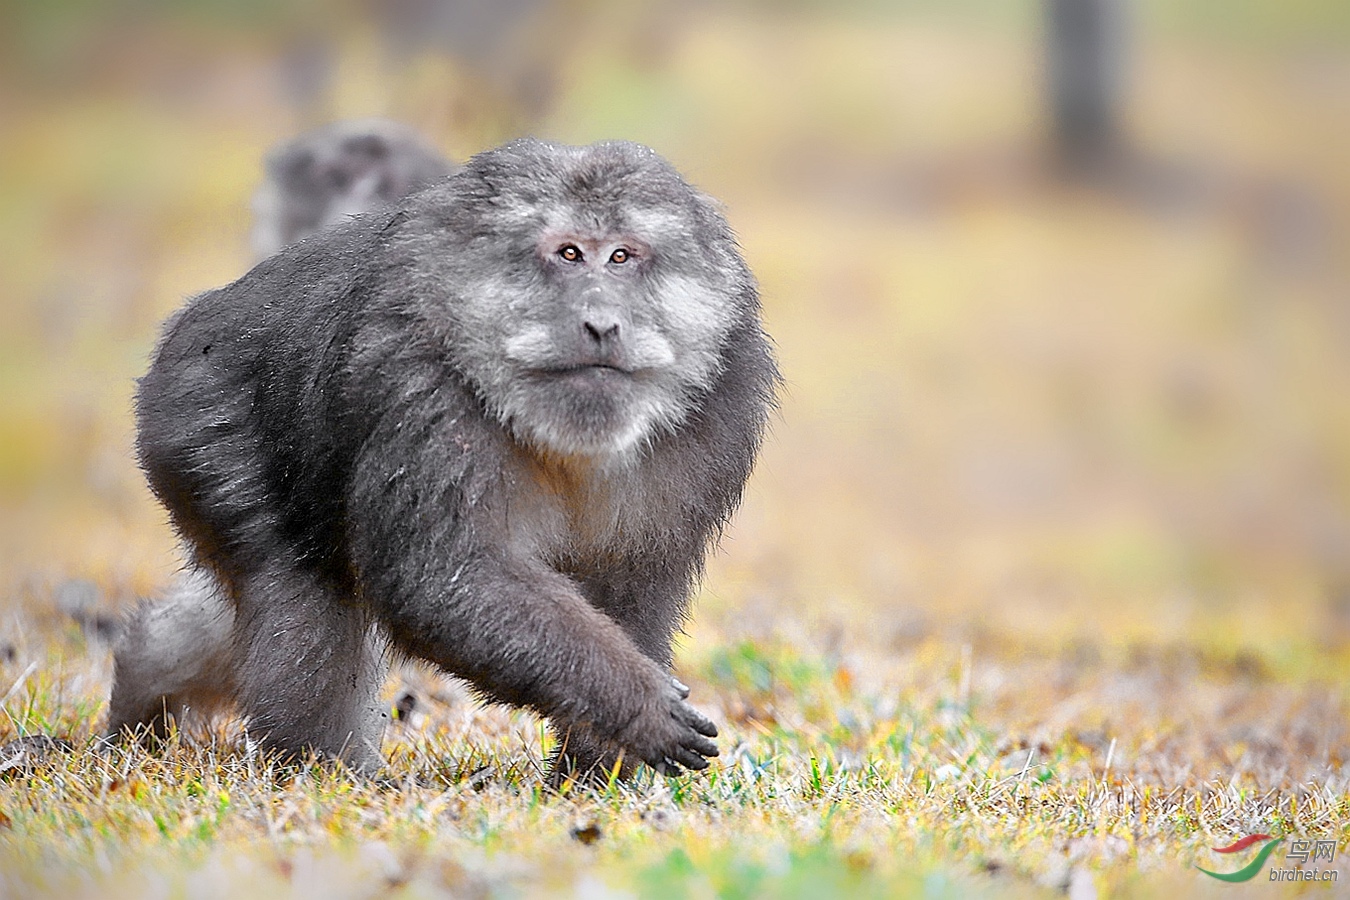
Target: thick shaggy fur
431, 427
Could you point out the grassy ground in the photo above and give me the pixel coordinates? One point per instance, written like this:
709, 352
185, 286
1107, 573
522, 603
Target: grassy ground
1042, 585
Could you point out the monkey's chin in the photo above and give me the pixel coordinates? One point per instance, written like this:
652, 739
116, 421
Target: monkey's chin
590, 411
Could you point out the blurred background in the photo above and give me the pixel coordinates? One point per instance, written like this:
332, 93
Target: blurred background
1061, 288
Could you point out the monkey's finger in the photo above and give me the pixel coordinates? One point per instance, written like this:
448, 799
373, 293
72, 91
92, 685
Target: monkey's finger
681, 688
697, 721
702, 746
690, 760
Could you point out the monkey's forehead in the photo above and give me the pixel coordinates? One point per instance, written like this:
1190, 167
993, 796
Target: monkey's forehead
609, 172
614, 187
650, 225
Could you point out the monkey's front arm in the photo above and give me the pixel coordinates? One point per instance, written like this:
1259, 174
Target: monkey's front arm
519, 631
523, 635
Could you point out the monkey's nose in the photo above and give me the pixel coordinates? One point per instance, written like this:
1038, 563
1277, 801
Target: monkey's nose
602, 327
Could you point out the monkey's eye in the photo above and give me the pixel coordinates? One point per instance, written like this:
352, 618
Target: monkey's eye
620, 256
570, 252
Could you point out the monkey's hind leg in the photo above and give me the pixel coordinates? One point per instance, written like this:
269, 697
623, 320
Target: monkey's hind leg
310, 668
174, 654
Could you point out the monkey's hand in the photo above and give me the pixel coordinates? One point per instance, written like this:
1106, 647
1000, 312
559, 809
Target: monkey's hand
669, 733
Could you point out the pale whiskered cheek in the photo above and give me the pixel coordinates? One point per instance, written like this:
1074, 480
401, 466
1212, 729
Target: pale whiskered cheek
695, 314
478, 317
651, 350
529, 345
697, 319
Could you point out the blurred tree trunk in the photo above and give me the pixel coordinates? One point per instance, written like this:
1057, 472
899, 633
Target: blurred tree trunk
1085, 49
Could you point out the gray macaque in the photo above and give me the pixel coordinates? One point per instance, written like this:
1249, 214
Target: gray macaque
496, 427
337, 171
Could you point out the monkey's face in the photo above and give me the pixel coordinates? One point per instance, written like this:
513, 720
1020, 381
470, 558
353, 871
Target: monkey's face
597, 289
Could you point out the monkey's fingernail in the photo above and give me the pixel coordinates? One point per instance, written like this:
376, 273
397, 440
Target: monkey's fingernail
681, 687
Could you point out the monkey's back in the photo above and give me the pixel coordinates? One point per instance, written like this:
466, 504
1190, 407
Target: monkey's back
239, 428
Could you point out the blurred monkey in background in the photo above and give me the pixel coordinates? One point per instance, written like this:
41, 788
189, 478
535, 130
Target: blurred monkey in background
337, 171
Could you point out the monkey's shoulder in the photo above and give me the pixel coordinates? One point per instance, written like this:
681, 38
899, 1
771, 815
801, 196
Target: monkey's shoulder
306, 283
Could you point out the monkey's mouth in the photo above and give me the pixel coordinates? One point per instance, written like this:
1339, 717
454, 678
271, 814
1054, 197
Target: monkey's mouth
588, 370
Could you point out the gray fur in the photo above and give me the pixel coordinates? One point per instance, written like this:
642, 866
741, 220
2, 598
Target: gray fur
433, 427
